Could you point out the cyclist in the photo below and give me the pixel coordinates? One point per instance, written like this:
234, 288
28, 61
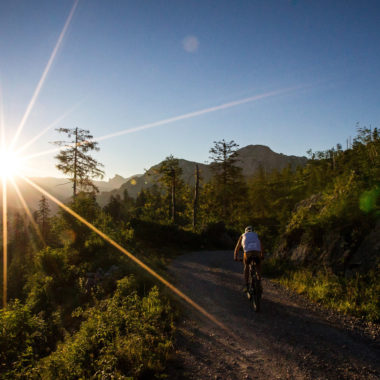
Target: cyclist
252, 247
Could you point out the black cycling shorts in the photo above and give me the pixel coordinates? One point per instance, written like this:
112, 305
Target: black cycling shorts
252, 255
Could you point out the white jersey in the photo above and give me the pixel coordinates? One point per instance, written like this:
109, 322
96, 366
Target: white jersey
250, 242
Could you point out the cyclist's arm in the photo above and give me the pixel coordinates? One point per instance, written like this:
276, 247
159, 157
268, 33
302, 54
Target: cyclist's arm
237, 249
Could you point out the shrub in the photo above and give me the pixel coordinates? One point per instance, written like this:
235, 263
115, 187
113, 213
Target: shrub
122, 336
156, 235
23, 338
359, 296
55, 280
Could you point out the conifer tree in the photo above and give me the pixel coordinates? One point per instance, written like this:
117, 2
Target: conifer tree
114, 207
196, 196
76, 161
43, 217
170, 176
141, 200
228, 177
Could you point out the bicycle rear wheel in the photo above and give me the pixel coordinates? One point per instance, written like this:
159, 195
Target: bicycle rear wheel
251, 297
254, 289
257, 296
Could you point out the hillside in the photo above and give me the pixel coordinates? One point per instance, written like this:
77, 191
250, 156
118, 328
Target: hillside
251, 158
59, 187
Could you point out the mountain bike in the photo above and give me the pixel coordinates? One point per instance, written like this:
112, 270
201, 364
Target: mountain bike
255, 290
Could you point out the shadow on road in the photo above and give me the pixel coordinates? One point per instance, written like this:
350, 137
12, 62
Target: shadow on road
285, 331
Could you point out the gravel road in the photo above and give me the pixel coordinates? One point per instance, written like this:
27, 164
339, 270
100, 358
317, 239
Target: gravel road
289, 339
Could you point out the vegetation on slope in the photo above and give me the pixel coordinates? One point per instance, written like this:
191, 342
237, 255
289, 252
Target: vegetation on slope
79, 308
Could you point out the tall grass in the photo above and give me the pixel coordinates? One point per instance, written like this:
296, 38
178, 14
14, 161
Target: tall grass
358, 295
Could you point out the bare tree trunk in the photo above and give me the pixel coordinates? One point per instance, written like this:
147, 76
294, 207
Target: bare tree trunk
75, 163
225, 158
333, 160
173, 196
196, 195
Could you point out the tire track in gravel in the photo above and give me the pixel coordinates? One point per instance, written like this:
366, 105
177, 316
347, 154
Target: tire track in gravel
288, 339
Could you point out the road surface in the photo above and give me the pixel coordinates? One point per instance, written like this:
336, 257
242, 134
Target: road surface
288, 339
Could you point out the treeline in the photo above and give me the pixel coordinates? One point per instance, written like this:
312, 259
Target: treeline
343, 186
327, 245
320, 222
78, 308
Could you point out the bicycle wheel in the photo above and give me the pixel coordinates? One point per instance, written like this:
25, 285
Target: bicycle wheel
254, 290
251, 297
257, 296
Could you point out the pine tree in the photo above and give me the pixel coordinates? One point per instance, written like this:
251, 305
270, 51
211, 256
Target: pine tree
76, 161
170, 176
228, 179
43, 217
114, 207
140, 203
196, 197
18, 255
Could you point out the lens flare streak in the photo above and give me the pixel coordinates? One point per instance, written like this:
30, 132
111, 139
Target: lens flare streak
2, 126
5, 244
44, 75
50, 126
195, 113
180, 117
27, 210
128, 254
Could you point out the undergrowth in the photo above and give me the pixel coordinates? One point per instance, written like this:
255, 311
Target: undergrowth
358, 295
125, 336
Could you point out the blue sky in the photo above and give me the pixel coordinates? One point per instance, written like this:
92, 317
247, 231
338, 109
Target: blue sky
123, 64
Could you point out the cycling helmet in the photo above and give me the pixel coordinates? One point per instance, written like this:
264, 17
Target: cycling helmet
248, 229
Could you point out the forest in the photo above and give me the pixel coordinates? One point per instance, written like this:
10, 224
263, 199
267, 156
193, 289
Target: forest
79, 308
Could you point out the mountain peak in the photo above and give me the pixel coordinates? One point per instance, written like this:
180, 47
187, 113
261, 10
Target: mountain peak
251, 159
255, 148
116, 181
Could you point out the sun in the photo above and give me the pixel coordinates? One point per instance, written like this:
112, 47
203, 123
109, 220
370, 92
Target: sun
10, 164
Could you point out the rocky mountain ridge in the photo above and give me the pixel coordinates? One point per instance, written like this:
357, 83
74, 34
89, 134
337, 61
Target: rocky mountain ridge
250, 158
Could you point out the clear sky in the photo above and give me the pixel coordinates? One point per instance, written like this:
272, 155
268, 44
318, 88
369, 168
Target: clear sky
123, 64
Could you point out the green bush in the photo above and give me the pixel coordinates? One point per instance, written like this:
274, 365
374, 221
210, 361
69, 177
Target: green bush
123, 336
23, 338
55, 280
155, 235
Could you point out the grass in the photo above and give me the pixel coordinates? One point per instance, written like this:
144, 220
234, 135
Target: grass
358, 295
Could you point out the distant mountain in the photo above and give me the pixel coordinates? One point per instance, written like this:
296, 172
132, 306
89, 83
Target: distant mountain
113, 183
61, 188
251, 158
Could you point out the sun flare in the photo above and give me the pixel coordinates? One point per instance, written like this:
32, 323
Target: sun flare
10, 164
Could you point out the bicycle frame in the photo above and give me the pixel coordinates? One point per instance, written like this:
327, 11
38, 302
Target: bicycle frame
254, 286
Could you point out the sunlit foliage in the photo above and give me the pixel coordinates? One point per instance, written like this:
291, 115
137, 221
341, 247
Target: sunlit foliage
74, 159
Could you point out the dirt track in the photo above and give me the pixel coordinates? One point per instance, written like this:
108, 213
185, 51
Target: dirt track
288, 339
